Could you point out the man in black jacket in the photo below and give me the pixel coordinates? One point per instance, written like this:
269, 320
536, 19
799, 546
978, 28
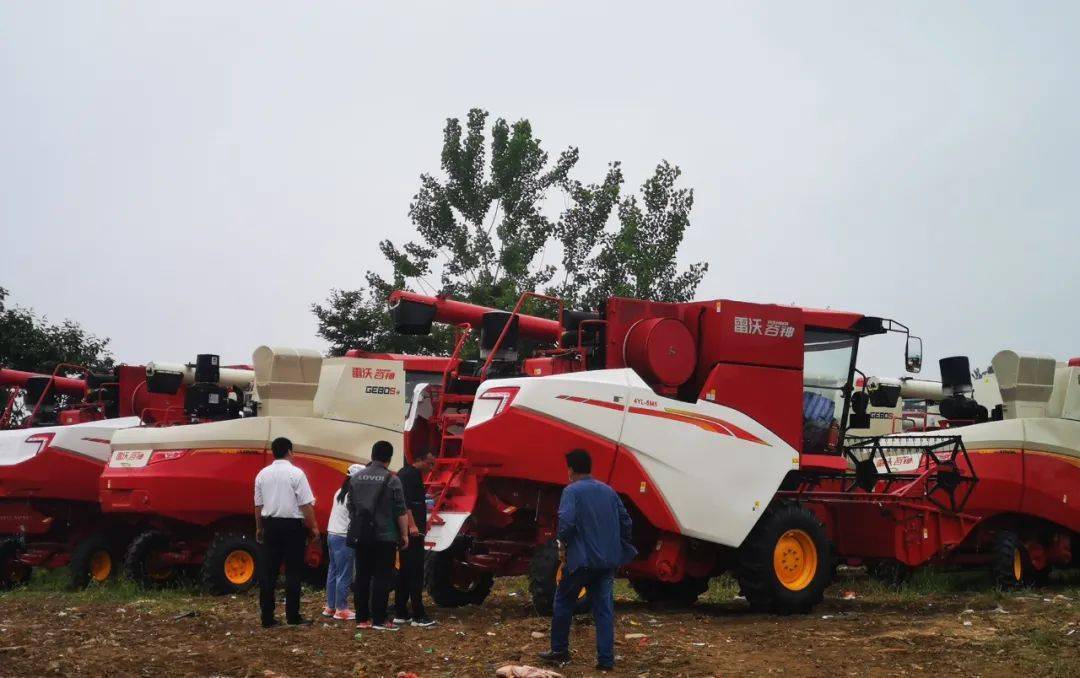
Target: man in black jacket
375, 493
410, 587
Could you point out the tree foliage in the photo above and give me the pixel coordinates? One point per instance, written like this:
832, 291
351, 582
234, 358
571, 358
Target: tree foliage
486, 235
32, 343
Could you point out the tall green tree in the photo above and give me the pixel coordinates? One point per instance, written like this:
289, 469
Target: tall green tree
30, 342
486, 235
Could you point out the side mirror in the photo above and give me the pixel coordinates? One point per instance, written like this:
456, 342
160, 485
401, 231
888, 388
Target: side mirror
913, 354
859, 402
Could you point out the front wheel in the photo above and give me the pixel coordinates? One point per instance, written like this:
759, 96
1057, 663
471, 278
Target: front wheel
452, 582
231, 564
1011, 565
144, 562
545, 573
95, 560
784, 565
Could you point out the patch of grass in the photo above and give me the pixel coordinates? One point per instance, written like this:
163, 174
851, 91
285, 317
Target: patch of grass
722, 589
53, 585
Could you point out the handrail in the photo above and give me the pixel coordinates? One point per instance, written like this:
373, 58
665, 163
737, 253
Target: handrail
45, 391
506, 328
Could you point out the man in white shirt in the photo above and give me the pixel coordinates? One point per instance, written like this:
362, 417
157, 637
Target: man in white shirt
284, 506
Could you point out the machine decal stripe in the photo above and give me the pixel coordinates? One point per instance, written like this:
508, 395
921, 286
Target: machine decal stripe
341, 465
730, 428
591, 401
707, 423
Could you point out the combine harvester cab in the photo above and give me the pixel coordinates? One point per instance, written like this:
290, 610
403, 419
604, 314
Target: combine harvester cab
190, 488
696, 413
50, 463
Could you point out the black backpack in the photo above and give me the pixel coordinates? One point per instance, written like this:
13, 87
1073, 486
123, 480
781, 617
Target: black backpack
362, 527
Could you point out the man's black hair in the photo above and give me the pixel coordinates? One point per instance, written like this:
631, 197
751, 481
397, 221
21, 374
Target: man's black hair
579, 461
281, 447
382, 451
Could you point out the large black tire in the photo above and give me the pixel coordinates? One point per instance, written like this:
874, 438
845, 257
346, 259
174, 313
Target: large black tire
231, 564
442, 573
795, 539
141, 564
889, 572
544, 575
1011, 565
95, 560
682, 593
12, 573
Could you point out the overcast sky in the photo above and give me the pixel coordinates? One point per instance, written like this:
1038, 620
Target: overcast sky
189, 177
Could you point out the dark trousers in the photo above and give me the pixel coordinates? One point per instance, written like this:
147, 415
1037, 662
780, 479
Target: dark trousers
410, 583
599, 584
283, 542
374, 576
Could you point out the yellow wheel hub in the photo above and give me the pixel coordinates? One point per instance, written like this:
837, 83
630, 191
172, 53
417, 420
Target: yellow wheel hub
239, 567
795, 560
1018, 565
100, 566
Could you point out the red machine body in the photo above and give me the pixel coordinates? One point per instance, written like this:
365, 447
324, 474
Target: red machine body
51, 462
191, 490
637, 385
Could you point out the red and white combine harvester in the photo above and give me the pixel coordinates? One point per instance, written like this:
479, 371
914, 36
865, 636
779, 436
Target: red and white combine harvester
51, 459
697, 414
1020, 429
188, 488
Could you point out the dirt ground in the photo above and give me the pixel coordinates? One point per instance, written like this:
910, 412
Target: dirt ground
860, 630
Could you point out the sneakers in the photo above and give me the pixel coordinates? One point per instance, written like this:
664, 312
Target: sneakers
345, 615
423, 622
386, 626
300, 621
364, 625
328, 612
402, 621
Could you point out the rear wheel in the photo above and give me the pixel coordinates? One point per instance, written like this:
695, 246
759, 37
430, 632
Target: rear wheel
682, 593
95, 560
1011, 565
451, 582
231, 564
785, 564
12, 572
545, 572
144, 563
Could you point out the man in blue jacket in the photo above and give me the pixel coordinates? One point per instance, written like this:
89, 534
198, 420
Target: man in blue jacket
594, 528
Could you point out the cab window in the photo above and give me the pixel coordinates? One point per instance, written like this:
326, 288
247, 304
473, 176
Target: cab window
826, 371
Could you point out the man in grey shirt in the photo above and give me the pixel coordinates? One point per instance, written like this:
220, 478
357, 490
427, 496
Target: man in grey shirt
376, 492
